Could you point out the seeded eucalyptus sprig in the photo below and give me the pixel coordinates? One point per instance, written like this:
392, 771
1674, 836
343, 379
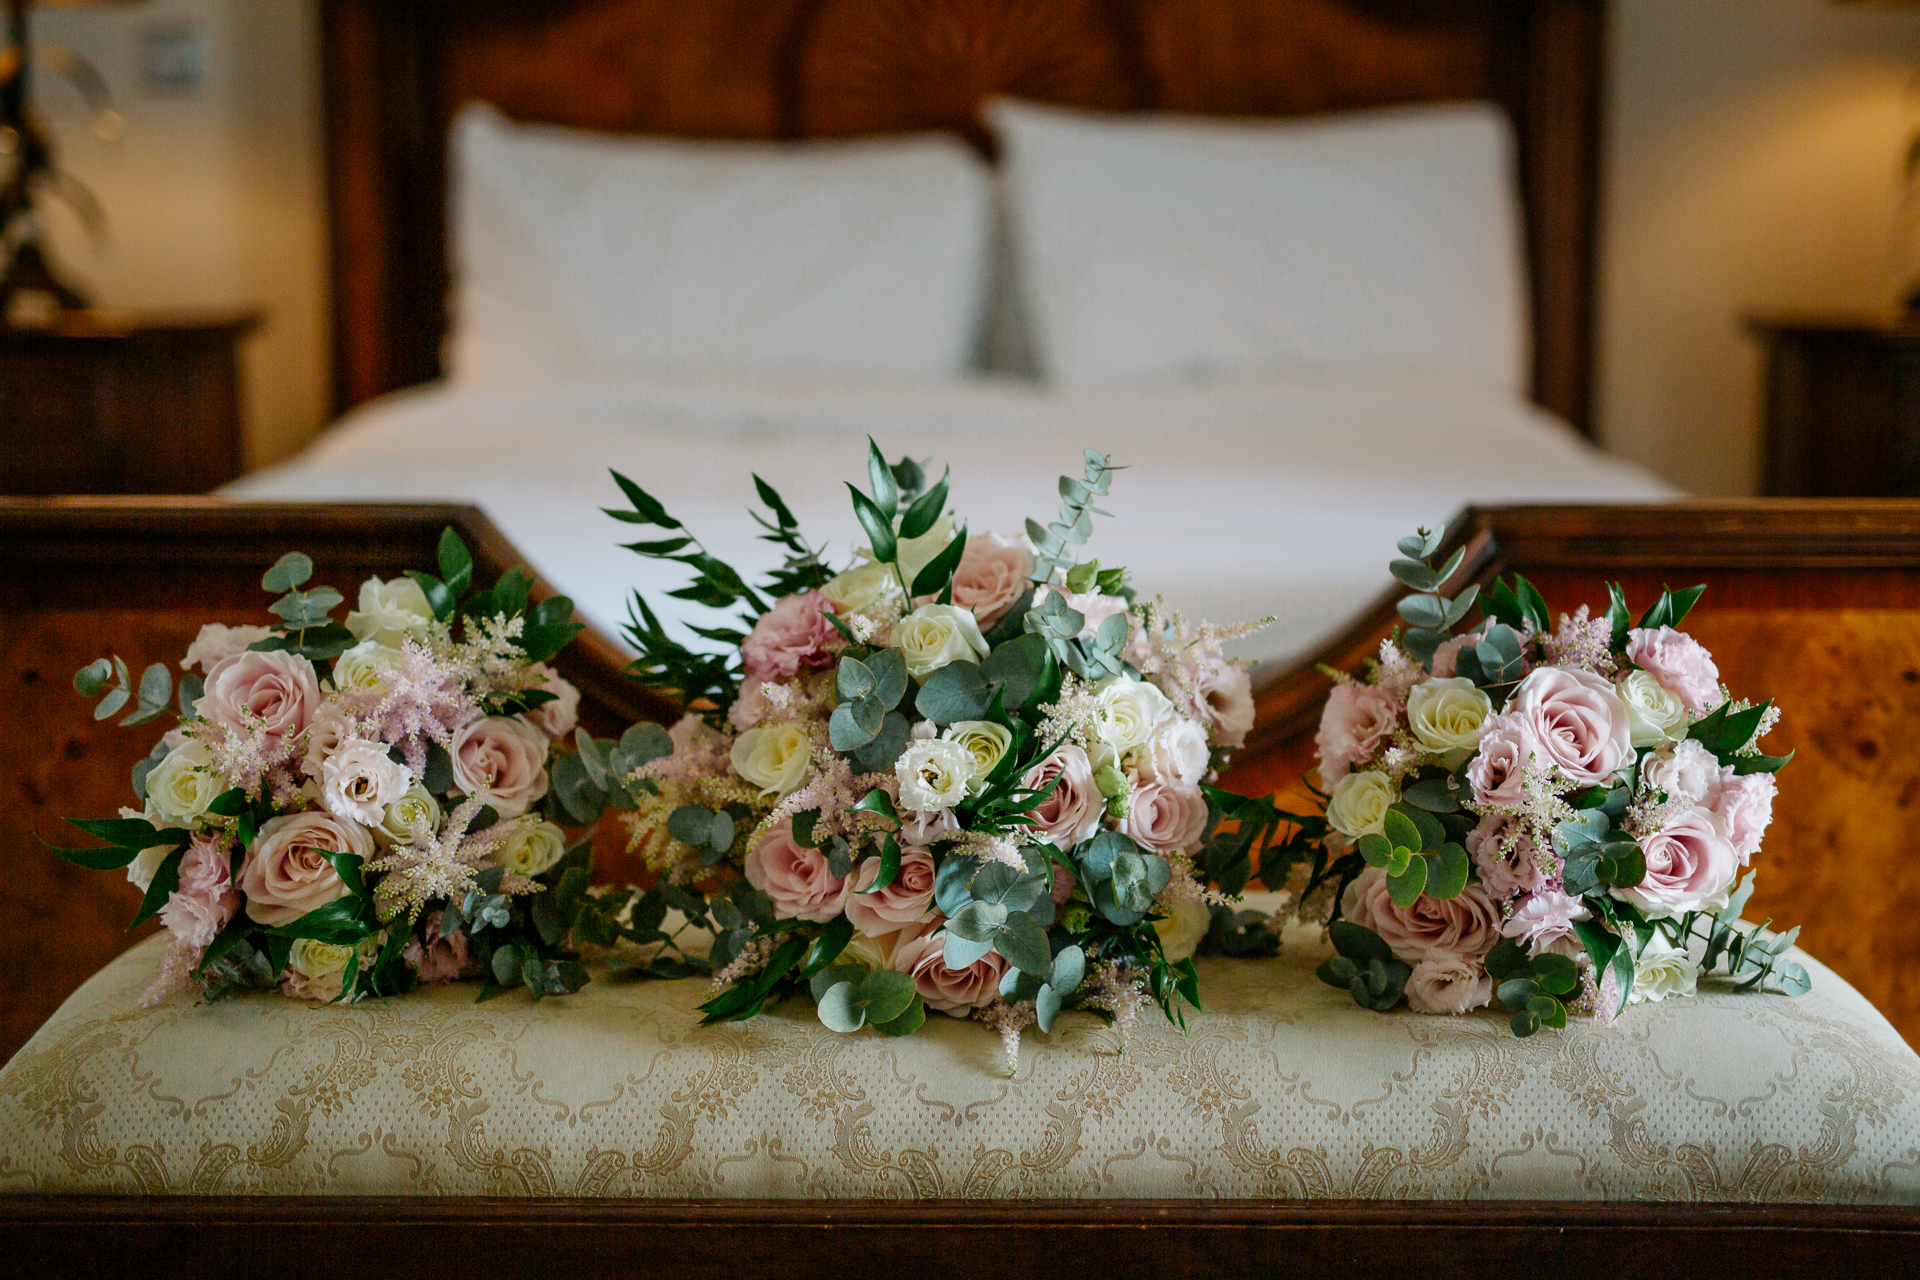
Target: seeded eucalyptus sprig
1075, 525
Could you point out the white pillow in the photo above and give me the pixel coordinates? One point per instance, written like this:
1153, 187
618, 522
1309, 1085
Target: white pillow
1384, 242
583, 255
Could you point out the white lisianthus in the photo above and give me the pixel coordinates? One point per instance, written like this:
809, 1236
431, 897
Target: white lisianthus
389, 612
365, 666
359, 780
937, 634
1654, 714
915, 554
396, 825
985, 741
183, 784
1185, 924
1129, 711
933, 773
1663, 970
868, 588
776, 758
1448, 714
1177, 752
533, 847
1359, 804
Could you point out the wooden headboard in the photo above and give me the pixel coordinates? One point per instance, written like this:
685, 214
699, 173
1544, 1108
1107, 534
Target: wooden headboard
397, 70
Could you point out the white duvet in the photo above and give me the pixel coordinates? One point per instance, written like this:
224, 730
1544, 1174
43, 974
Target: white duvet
1240, 500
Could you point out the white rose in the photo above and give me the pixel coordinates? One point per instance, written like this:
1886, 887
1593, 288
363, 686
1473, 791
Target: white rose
1358, 806
868, 588
1683, 770
183, 784
365, 666
533, 847
775, 758
145, 864
1177, 752
1654, 715
396, 825
389, 612
1448, 714
1187, 922
985, 741
359, 780
933, 773
1129, 711
936, 634
311, 959
1663, 970
871, 954
915, 554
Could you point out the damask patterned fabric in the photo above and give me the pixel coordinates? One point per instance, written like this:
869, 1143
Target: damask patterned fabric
1283, 1089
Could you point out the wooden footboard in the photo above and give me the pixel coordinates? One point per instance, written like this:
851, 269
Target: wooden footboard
1815, 604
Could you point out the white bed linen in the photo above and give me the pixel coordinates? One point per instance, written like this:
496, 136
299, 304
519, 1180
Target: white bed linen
1241, 499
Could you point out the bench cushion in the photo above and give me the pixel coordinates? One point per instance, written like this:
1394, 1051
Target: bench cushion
1282, 1089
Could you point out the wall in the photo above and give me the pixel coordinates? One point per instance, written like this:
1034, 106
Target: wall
1752, 163
212, 200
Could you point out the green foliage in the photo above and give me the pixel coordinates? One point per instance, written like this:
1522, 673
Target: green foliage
870, 687
1365, 967
1595, 854
1052, 541
802, 569
1726, 732
109, 680
1532, 989
1429, 615
1671, 609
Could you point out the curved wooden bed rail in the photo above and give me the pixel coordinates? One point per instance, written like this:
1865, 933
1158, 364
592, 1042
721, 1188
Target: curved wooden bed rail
1815, 604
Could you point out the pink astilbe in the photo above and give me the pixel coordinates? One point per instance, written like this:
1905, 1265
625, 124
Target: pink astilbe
1396, 670
1120, 991
1010, 1018
245, 757
834, 789
1582, 641
432, 867
423, 699
176, 973
988, 846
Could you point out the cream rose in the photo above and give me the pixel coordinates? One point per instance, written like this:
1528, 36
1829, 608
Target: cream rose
935, 635
359, 780
503, 761
934, 774
396, 823
533, 847
287, 873
869, 953
1182, 928
183, 784
366, 666
1654, 714
146, 863
776, 758
1359, 804
389, 612
1662, 970
1128, 712
316, 969
1448, 714
985, 741
868, 588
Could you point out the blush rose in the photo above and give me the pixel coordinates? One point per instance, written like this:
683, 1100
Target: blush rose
287, 872
992, 576
274, 689
1164, 819
907, 901
796, 879
1468, 925
1353, 724
1577, 722
791, 635
503, 761
1071, 811
951, 991
1690, 865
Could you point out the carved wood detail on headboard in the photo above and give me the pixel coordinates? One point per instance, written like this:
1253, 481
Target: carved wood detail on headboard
397, 70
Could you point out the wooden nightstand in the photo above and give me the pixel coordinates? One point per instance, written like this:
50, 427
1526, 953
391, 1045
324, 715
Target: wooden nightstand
1842, 405
105, 402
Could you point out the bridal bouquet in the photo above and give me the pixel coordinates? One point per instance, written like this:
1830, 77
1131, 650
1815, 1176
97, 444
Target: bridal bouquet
964, 773
1552, 818
347, 808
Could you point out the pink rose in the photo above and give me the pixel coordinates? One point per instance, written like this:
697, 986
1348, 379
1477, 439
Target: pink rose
287, 873
1165, 819
907, 901
1223, 695
273, 688
1679, 662
503, 761
205, 900
1745, 810
442, 958
1446, 659
797, 880
216, 643
1448, 983
1577, 721
1504, 874
1353, 724
329, 728
1690, 865
791, 635
1468, 925
1063, 883
1071, 811
1544, 922
751, 708
1496, 773
952, 991
560, 717
992, 575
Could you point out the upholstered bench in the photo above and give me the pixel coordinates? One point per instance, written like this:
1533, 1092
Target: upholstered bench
1282, 1089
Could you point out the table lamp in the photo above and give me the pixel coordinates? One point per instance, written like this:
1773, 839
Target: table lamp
28, 174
